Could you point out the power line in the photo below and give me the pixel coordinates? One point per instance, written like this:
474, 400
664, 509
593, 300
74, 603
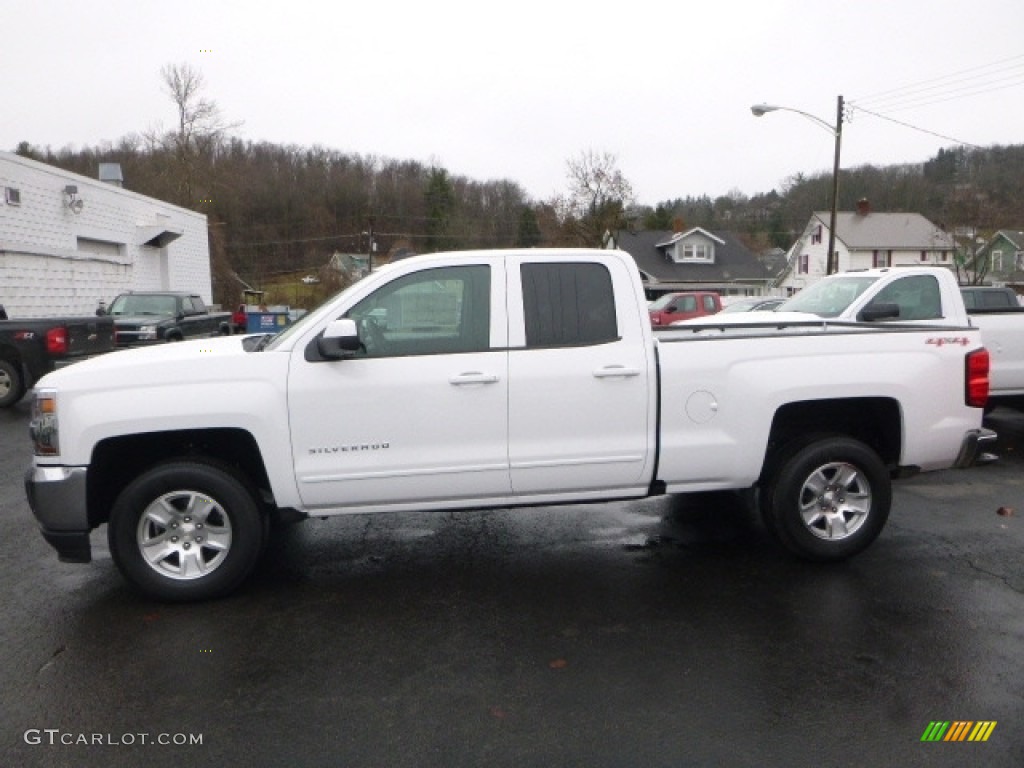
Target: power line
973, 81
923, 99
295, 240
918, 128
914, 89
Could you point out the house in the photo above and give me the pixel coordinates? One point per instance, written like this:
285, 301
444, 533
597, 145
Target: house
1001, 259
695, 259
774, 260
68, 241
865, 239
354, 266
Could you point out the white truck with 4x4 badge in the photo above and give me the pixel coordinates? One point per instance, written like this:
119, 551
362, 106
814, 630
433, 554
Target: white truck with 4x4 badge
489, 379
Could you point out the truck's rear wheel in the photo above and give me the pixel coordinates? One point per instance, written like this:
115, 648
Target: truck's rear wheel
186, 530
12, 387
829, 499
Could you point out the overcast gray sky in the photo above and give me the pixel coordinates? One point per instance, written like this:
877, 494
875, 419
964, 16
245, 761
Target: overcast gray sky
513, 90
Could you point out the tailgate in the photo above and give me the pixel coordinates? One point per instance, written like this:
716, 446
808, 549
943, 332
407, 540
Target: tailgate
87, 336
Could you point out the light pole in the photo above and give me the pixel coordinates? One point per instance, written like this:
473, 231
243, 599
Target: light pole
837, 131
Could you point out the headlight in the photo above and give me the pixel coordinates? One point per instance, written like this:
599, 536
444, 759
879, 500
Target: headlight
43, 426
147, 333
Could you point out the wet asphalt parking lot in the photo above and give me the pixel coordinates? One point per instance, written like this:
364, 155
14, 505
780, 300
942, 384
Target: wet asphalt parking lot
667, 632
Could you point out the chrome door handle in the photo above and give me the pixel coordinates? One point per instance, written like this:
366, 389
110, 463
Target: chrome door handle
615, 371
472, 377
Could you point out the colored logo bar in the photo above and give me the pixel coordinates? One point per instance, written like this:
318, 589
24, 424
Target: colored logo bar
958, 730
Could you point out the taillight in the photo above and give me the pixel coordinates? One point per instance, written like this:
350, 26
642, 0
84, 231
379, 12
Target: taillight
57, 341
976, 391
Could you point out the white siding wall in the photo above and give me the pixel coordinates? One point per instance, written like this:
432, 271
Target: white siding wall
56, 262
817, 259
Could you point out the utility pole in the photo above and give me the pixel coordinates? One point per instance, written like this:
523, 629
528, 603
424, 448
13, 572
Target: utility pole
369, 245
759, 110
831, 265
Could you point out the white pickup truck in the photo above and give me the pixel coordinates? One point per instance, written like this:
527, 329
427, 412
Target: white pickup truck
923, 296
488, 379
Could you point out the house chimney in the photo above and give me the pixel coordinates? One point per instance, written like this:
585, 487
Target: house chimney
863, 207
111, 174
677, 224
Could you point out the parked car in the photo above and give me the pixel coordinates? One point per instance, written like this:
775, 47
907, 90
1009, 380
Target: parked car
753, 304
683, 306
159, 316
989, 297
924, 296
31, 348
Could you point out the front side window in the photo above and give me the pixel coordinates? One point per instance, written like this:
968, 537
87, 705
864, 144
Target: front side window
917, 297
436, 311
568, 304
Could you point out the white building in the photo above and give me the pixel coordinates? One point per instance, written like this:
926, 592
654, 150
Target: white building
864, 240
69, 241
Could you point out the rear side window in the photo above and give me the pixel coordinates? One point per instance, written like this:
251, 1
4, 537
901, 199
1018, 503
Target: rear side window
568, 304
995, 299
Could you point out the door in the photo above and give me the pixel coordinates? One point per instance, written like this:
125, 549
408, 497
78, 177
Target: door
420, 414
580, 393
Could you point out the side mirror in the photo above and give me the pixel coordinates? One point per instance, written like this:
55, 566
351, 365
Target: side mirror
339, 340
880, 311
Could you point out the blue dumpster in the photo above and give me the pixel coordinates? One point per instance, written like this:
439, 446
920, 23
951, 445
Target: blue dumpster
265, 322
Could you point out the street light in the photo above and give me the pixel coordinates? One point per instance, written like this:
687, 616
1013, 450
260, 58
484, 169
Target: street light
837, 131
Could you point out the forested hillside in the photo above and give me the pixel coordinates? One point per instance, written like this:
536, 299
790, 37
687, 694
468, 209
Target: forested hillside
277, 209
979, 189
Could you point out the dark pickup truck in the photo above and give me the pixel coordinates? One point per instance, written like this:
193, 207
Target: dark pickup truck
31, 348
153, 317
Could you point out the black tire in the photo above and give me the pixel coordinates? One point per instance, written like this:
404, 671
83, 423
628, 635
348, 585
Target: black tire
205, 527
12, 385
829, 499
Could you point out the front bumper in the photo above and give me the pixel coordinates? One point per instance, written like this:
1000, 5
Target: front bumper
972, 449
57, 496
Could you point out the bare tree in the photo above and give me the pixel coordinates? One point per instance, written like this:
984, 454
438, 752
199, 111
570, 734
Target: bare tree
598, 197
201, 128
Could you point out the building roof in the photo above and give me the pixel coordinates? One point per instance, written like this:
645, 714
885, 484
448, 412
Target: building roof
96, 183
890, 231
1013, 236
733, 260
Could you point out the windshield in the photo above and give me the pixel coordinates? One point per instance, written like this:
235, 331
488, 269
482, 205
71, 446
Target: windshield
313, 317
662, 302
829, 297
141, 304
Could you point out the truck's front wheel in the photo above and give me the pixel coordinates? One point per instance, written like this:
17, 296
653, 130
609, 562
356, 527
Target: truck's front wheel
186, 530
829, 500
12, 387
